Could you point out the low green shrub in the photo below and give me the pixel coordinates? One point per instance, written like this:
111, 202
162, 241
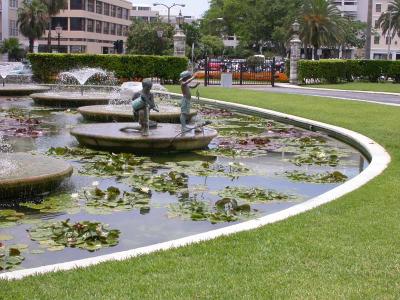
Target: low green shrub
46, 66
338, 70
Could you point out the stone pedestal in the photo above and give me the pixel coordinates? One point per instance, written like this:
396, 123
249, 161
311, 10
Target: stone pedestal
295, 45
179, 43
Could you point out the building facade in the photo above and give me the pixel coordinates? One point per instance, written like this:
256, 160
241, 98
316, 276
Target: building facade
144, 13
89, 26
382, 47
8, 24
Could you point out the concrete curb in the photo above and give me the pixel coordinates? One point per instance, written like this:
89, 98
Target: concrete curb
379, 160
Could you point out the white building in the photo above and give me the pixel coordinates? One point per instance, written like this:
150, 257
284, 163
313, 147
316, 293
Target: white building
144, 12
358, 10
8, 15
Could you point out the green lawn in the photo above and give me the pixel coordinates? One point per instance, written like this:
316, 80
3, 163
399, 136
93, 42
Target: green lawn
361, 86
349, 248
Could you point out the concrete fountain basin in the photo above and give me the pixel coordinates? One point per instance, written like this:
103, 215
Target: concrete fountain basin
23, 175
21, 89
124, 113
71, 99
165, 137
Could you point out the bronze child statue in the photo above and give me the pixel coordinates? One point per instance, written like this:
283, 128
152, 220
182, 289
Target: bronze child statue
186, 78
142, 103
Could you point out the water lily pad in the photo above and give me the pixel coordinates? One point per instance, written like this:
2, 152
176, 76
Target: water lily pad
256, 195
86, 235
10, 257
317, 156
106, 201
224, 210
327, 177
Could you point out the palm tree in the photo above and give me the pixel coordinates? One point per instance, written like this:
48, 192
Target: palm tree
53, 8
13, 48
321, 24
32, 20
389, 21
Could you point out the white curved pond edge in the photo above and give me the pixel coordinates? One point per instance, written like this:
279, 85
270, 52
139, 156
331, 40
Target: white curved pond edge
379, 160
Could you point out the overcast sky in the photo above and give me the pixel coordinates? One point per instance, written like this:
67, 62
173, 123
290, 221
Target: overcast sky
193, 7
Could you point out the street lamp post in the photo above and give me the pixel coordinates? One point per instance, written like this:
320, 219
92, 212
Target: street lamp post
294, 53
179, 37
169, 8
58, 31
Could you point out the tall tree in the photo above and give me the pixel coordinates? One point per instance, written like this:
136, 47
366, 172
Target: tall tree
389, 21
260, 24
32, 20
321, 24
53, 8
143, 38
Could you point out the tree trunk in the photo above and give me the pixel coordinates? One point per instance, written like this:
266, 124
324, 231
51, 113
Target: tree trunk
369, 29
31, 43
49, 38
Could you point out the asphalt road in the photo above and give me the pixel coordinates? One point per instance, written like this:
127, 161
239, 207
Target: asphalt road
347, 95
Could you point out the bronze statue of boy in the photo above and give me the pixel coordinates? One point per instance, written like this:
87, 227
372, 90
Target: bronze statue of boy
142, 103
186, 78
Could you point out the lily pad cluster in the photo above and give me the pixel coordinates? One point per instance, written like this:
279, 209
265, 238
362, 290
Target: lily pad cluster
91, 236
18, 123
171, 182
56, 203
327, 177
10, 257
210, 169
254, 195
224, 210
112, 199
10, 217
317, 156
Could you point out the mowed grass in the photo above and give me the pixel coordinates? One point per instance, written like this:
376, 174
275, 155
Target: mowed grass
349, 248
387, 87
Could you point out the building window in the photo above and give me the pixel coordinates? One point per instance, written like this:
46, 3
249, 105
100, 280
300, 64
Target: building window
13, 29
90, 5
106, 9
113, 10
125, 14
14, 3
63, 22
98, 26
378, 8
99, 7
112, 29
119, 29
144, 8
376, 39
77, 49
90, 25
77, 4
119, 12
106, 28
376, 24
77, 24
125, 30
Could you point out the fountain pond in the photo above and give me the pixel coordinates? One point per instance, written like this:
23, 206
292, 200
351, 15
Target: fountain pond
254, 167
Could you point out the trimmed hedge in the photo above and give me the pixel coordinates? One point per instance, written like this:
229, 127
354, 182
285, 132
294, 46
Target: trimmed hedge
337, 70
46, 66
